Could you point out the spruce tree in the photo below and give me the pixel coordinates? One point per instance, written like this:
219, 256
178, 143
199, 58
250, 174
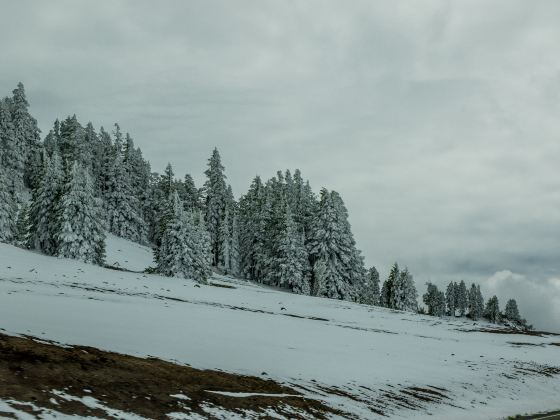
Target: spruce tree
371, 293
80, 233
492, 311
319, 278
404, 292
387, 291
13, 151
290, 259
216, 196
461, 298
435, 300
44, 204
8, 209
451, 298
512, 312
332, 241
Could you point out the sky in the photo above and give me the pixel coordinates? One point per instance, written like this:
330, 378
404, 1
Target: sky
437, 121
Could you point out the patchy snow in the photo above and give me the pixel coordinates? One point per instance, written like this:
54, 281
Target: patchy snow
373, 356
180, 397
252, 394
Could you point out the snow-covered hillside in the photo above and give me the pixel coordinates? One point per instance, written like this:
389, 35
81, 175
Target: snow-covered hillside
362, 360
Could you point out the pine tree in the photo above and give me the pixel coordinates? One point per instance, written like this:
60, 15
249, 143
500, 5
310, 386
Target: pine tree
80, 233
492, 311
191, 195
461, 298
474, 304
21, 233
371, 293
512, 312
184, 249
387, 291
216, 196
404, 292
332, 241
290, 266
26, 137
435, 300
44, 204
13, 151
123, 208
451, 298
319, 278
8, 209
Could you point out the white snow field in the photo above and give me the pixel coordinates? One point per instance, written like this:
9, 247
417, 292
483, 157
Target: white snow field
359, 359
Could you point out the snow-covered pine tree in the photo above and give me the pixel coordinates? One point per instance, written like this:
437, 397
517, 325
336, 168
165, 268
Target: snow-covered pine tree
332, 241
435, 300
184, 249
191, 196
80, 234
124, 211
291, 265
387, 291
44, 205
26, 136
479, 303
21, 233
451, 298
319, 277
50, 144
492, 311
473, 303
511, 312
461, 298
13, 151
202, 256
251, 231
215, 197
404, 292
8, 208
371, 292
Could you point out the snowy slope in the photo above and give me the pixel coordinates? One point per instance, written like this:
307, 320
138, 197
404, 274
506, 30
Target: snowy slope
360, 359
126, 254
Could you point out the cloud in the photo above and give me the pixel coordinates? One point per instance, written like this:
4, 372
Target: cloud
539, 301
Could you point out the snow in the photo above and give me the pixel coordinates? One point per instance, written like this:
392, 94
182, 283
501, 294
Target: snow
128, 255
315, 343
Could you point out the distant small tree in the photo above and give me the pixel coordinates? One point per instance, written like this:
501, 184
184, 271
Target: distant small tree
370, 292
461, 299
512, 312
492, 312
434, 300
451, 298
387, 291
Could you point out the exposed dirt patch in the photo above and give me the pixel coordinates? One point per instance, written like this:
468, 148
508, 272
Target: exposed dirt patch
30, 370
511, 331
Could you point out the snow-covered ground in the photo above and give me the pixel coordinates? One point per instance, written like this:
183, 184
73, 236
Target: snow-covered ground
359, 359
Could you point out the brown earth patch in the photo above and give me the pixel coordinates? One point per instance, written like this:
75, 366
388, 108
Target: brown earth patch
30, 370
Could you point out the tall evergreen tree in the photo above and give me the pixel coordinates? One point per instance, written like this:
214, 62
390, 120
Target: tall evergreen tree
492, 311
461, 298
319, 278
404, 292
44, 205
387, 291
80, 233
216, 196
451, 298
8, 209
435, 300
184, 249
331, 240
512, 312
371, 293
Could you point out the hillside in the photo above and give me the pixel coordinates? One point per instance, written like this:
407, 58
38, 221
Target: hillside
307, 355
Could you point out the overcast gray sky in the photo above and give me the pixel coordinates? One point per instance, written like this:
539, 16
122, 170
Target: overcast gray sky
437, 121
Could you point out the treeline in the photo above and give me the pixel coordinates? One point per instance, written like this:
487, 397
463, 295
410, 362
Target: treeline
59, 196
458, 301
